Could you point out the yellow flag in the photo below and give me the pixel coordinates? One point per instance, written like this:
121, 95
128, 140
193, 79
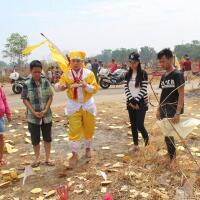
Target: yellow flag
176, 63
29, 49
59, 58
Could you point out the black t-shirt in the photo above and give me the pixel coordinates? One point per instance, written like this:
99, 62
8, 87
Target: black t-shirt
169, 95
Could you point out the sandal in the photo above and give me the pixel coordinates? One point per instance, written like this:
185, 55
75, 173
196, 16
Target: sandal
50, 163
88, 154
35, 164
3, 163
146, 142
134, 149
73, 161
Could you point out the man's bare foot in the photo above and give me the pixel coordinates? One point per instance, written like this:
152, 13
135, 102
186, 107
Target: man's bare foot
73, 161
88, 153
134, 149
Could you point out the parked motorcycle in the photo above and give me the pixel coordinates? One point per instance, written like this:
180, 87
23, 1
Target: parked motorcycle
17, 82
106, 79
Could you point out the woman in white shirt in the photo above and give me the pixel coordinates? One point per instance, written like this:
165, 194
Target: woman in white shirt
137, 98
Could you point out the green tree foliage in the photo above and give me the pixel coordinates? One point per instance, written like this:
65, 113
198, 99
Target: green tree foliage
105, 56
120, 55
13, 48
192, 49
147, 54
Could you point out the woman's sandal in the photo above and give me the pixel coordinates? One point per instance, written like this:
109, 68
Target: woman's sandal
134, 149
3, 163
146, 142
35, 164
50, 163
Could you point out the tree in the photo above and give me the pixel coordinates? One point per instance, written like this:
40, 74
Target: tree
181, 50
147, 54
191, 49
13, 48
105, 55
120, 55
195, 42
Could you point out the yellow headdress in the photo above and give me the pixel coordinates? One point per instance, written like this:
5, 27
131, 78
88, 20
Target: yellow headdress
77, 55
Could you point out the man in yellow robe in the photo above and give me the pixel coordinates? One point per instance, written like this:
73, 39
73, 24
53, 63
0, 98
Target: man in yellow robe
80, 85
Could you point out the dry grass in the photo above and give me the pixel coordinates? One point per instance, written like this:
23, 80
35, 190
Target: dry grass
143, 171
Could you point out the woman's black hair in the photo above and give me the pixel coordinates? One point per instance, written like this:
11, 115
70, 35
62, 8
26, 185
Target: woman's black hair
139, 73
138, 76
35, 63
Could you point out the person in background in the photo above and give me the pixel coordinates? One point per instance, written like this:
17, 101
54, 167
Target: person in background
187, 68
50, 74
53, 74
199, 66
4, 111
100, 65
124, 66
37, 96
172, 97
89, 65
57, 74
113, 66
95, 69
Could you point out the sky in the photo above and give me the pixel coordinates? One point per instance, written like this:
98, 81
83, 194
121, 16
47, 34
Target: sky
94, 25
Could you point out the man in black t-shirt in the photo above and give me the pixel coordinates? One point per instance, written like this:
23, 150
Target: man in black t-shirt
172, 96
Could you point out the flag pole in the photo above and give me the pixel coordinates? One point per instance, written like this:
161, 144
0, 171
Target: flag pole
42, 34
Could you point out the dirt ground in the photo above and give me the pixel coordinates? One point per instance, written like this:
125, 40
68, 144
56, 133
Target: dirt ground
143, 175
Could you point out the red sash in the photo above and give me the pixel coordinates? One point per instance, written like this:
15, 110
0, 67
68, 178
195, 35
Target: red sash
76, 80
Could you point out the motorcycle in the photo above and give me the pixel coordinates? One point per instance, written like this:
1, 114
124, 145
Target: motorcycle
106, 79
17, 82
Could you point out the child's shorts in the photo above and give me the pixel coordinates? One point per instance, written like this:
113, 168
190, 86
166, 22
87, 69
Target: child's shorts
2, 125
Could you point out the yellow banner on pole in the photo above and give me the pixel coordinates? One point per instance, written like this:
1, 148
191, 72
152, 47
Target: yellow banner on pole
58, 57
29, 49
177, 63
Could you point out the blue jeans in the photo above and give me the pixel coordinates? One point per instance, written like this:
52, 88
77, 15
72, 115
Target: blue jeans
2, 125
